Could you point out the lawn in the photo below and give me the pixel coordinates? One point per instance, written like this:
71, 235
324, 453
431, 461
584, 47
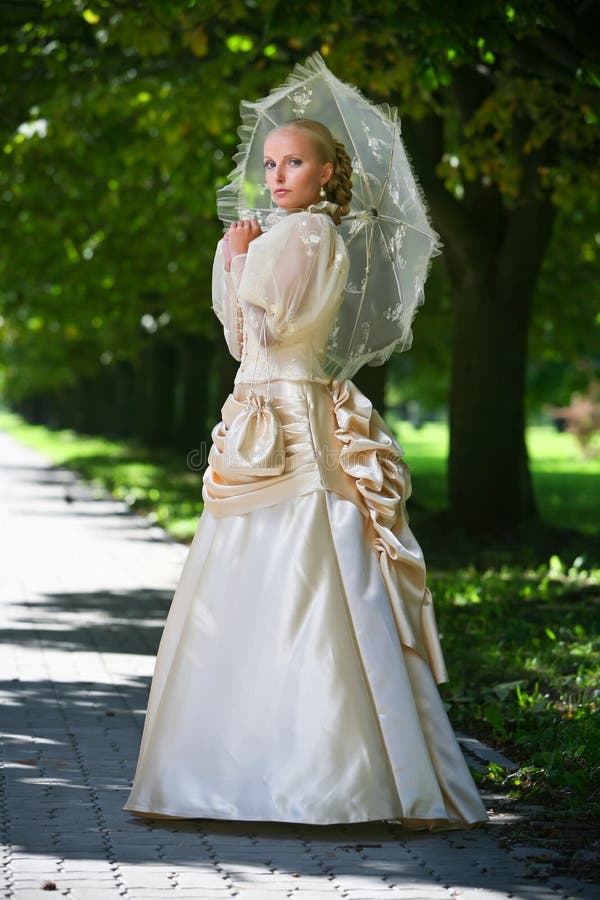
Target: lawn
520, 630
519, 622
159, 484
567, 493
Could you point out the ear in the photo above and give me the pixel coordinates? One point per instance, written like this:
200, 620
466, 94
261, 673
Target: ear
326, 173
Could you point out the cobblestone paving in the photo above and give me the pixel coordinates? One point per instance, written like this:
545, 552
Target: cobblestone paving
85, 587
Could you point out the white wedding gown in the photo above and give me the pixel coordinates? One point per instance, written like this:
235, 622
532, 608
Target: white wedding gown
296, 676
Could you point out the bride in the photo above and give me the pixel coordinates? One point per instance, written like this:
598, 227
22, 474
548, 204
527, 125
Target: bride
296, 675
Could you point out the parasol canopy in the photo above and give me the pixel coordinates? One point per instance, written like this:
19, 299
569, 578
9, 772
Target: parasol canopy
387, 232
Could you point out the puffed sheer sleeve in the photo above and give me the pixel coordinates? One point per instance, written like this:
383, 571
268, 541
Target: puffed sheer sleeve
225, 300
293, 273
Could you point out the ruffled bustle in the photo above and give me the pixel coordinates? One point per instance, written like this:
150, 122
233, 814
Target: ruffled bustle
373, 458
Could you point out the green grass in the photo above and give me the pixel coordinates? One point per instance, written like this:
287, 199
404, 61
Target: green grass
567, 493
159, 484
519, 622
567, 487
425, 451
520, 633
523, 649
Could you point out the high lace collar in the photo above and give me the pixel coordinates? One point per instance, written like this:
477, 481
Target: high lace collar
323, 206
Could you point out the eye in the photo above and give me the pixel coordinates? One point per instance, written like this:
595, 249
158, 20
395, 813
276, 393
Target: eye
295, 161
268, 164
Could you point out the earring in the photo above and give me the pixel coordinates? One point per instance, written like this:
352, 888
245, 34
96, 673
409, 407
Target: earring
322, 192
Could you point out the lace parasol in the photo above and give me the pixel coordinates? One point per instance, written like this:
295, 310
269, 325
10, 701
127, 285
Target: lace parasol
388, 234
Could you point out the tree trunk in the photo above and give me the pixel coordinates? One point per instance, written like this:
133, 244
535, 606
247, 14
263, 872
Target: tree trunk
194, 392
490, 486
224, 370
155, 390
371, 381
492, 254
123, 373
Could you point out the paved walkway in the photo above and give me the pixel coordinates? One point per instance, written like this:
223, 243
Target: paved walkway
84, 587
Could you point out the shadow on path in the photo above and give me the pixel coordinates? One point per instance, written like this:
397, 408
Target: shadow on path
108, 621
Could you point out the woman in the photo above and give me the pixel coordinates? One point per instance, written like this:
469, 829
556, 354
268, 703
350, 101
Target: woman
296, 676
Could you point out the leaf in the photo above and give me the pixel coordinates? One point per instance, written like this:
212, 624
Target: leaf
494, 717
91, 17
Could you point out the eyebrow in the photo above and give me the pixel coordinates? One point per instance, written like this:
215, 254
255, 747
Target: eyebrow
287, 156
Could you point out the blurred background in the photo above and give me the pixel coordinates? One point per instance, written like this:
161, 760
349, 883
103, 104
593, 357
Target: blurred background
119, 122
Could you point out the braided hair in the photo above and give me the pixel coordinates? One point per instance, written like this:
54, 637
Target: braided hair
338, 189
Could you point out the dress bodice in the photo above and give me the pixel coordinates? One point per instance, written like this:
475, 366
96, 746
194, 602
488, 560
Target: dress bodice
279, 302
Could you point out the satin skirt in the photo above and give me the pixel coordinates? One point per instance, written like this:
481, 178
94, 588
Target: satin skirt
288, 686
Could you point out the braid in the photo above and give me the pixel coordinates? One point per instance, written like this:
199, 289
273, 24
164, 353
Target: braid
339, 187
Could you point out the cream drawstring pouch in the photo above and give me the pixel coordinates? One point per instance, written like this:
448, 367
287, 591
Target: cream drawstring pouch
254, 441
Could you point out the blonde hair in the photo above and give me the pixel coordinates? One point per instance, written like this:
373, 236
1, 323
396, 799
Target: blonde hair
338, 189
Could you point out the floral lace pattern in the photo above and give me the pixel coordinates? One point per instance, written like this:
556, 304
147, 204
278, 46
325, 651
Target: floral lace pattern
376, 145
338, 260
310, 239
301, 99
397, 239
394, 313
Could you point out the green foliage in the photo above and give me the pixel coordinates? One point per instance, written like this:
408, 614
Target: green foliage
109, 176
524, 655
564, 344
567, 487
122, 118
118, 122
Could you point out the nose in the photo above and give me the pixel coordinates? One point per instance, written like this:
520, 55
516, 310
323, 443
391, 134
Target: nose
279, 173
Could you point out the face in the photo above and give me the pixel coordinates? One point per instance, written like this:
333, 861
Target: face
294, 172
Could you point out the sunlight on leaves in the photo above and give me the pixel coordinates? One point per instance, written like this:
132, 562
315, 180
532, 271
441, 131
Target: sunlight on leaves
91, 17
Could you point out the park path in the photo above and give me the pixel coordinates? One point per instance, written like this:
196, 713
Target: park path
84, 587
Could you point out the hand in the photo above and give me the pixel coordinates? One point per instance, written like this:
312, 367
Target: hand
240, 236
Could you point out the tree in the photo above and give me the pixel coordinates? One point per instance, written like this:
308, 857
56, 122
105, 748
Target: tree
497, 108
504, 140
109, 185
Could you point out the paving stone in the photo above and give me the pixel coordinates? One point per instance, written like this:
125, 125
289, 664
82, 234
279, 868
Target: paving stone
208, 893
312, 894
30, 893
261, 893
31, 882
80, 631
34, 864
87, 867
571, 888
96, 892
382, 892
